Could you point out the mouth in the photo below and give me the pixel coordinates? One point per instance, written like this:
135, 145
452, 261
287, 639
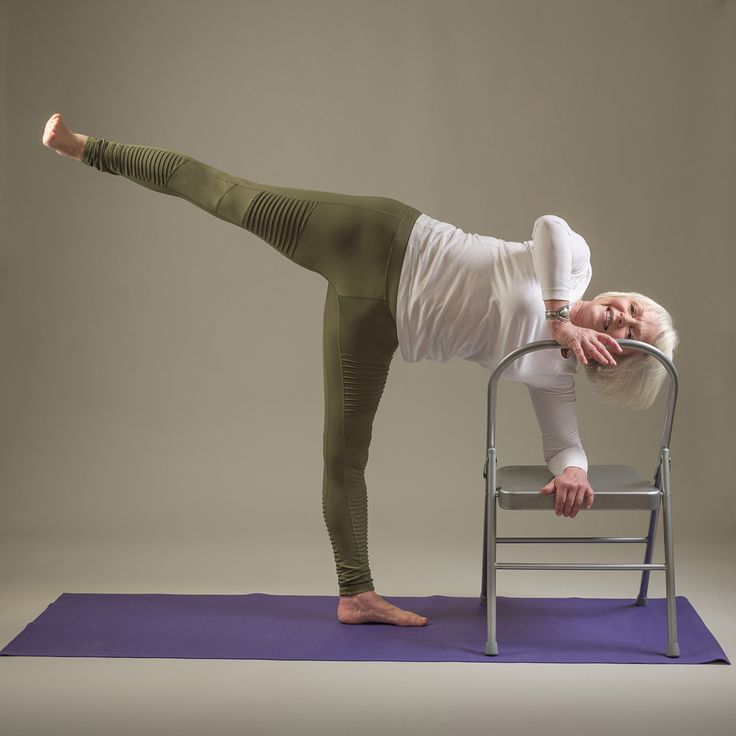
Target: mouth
607, 318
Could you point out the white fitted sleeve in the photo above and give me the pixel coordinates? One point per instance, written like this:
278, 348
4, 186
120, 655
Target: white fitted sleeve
557, 419
553, 256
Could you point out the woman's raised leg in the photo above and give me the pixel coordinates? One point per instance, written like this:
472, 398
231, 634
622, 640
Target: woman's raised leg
340, 236
356, 243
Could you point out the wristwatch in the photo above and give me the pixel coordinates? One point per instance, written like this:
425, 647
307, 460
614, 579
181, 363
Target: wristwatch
561, 313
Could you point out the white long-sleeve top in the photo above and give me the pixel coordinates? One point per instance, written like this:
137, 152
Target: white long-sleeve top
476, 297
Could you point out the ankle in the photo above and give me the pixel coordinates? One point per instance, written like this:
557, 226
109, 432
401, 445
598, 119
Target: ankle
360, 595
82, 141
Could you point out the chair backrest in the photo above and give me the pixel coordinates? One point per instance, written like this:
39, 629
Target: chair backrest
552, 345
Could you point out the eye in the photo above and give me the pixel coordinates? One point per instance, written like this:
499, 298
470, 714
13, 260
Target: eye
629, 335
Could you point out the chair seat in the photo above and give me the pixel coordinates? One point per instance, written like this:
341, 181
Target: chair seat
616, 487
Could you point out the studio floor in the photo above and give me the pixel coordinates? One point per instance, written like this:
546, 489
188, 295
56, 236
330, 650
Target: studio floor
114, 696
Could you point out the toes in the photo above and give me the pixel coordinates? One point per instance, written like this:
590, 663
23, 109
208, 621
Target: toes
414, 619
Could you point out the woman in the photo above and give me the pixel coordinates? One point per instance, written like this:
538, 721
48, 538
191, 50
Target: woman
399, 278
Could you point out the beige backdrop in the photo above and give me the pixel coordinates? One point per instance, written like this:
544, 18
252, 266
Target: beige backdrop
161, 396
161, 401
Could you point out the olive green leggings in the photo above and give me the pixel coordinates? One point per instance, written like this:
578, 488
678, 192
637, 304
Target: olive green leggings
358, 245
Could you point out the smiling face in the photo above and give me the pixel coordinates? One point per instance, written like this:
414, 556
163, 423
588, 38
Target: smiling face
620, 317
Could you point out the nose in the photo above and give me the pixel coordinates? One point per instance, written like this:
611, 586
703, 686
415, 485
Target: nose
625, 319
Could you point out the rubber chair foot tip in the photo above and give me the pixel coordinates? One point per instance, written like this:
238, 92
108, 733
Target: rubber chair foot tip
673, 650
492, 648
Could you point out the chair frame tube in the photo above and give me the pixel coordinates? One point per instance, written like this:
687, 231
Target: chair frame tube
661, 481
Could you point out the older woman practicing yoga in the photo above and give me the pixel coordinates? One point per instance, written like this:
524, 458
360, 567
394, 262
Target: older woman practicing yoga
399, 278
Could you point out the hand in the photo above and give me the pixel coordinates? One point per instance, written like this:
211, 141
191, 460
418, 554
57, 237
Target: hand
571, 490
586, 343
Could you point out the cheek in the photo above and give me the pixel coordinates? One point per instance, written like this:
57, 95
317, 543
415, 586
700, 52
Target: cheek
600, 316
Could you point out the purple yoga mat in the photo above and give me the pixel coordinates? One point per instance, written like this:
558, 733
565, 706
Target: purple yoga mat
300, 627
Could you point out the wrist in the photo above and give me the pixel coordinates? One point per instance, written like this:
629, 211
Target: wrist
573, 469
557, 310
554, 303
559, 327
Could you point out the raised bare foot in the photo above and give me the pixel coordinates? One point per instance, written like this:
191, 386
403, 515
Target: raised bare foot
63, 140
367, 607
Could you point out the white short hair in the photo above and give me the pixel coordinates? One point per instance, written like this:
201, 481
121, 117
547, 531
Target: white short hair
636, 379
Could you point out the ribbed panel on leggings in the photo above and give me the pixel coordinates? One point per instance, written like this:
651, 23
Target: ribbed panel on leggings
358, 519
278, 219
363, 383
153, 165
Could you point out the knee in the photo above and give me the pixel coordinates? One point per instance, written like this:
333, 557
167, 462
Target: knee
347, 462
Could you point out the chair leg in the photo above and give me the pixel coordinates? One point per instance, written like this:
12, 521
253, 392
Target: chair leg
651, 536
673, 648
483, 588
491, 514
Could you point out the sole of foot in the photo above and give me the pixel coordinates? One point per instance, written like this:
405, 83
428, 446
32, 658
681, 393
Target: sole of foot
60, 138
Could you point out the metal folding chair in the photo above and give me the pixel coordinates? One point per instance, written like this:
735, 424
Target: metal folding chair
616, 487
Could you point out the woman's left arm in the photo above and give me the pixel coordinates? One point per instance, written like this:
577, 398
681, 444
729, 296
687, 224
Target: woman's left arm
572, 490
563, 450
584, 342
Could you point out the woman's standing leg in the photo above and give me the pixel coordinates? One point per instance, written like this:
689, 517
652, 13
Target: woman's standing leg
357, 244
358, 348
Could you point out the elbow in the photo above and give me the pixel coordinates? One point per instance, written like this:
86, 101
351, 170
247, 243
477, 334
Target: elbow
549, 221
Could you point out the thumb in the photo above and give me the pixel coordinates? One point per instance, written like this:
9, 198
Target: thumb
549, 488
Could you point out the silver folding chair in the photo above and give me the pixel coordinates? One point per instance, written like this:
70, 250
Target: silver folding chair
616, 487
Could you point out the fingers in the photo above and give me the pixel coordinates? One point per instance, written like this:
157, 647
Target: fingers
588, 347
583, 497
597, 350
612, 341
560, 498
571, 505
587, 343
578, 497
592, 347
577, 348
606, 357
579, 354
570, 499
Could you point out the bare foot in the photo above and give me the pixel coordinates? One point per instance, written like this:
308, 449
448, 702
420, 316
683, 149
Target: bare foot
63, 140
368, 607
